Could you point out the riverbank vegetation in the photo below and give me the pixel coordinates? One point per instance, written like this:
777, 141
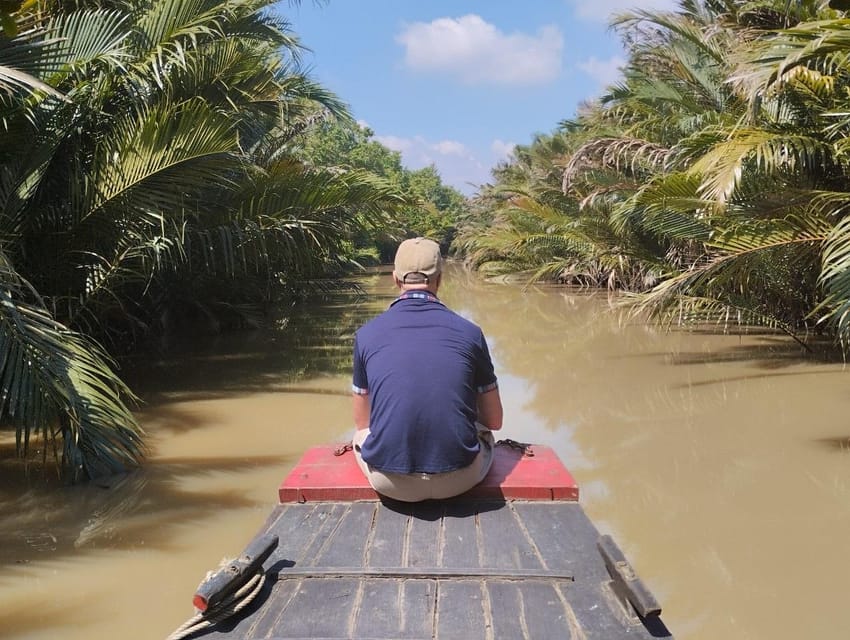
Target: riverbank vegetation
713, 181
167, 165
159, 169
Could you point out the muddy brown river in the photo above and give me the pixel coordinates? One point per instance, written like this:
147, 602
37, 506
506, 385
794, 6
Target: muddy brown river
719, 463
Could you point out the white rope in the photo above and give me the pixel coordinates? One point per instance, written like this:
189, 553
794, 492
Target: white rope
228, 607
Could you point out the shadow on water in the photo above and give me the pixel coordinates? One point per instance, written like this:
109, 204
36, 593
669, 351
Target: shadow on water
772, 352
41, 518
756, 376
312, 340
838, 443
50, 616
117, 512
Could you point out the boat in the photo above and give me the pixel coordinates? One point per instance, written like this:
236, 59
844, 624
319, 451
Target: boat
515, 557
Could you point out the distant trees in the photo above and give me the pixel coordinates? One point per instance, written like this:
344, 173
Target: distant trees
435, 209
713, 179
148, 181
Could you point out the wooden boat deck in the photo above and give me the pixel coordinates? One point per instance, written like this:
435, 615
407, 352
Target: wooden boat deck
463, 569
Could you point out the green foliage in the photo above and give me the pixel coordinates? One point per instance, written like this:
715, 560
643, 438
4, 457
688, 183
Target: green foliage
711, 181
433, 209
149, 180
350, 145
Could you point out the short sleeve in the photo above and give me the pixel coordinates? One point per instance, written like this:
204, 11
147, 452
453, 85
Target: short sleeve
485, 376
359, 383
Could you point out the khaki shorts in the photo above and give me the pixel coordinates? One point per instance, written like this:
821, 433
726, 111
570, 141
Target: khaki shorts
413, 487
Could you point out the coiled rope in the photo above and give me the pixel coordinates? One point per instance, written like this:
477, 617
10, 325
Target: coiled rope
229, 606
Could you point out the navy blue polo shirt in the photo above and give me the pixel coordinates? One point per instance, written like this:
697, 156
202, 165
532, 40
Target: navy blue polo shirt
422, 366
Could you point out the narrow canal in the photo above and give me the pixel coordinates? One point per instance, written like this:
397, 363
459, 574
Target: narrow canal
720, 463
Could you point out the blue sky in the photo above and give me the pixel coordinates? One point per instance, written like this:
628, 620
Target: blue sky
457, 83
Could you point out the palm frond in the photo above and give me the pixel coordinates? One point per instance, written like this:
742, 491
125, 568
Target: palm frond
169, 29
82, 38
835, 279
669, 206
670, 309
723, 166
60, 384
135, 169
624, 153
741, 252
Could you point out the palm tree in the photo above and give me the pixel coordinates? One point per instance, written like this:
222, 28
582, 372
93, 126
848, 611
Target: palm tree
145, 173
755, 177
717, 165
56, 382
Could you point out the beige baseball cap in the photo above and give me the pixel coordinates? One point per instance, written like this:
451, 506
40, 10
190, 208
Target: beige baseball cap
417, 256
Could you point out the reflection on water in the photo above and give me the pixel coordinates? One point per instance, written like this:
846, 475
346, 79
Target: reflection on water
716, 461
720, 464
226, 418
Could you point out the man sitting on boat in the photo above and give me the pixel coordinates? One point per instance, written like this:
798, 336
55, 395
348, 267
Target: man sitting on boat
425, 393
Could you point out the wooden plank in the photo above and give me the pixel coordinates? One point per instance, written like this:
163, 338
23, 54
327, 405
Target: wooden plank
347, 547
320, 475
515, 476
461, 614
320, 608
460, 536
266, 621
545, 613
602, 617
564, 537
625, 582
296, 528
506, 610
424, 539
284, 522
505, 544
396, 609
388, 538
437, 573
320, 525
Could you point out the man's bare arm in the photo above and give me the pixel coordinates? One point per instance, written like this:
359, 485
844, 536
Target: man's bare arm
490, 409
361, 408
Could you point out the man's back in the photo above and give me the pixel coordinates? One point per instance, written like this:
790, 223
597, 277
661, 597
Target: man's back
423, 366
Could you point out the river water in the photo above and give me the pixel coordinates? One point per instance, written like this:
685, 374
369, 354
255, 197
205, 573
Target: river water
719, 463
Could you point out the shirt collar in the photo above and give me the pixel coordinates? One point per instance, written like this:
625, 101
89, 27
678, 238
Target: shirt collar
417, 295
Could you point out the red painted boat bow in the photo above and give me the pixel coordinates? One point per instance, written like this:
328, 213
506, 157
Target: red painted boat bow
321, 475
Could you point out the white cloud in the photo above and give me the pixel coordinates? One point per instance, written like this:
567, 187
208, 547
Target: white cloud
601, 10
457, 165
422, 150
476, 52
450, 148
605, 72
395, 143
502, 150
